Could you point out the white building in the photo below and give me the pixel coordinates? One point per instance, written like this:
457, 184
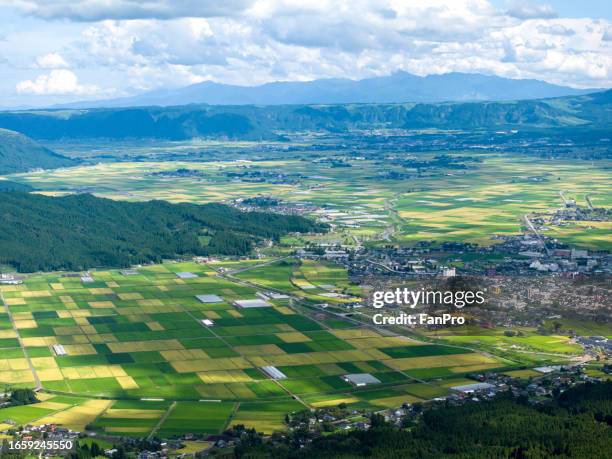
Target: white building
209, 298
273, 372
361, 379
59, 350
256, 303
469, 388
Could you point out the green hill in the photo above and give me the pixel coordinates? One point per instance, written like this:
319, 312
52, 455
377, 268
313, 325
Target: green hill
9, 185
75, 232
588, 112
19, 153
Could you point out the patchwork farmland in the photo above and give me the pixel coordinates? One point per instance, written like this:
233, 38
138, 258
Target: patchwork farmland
163, 348
470, 205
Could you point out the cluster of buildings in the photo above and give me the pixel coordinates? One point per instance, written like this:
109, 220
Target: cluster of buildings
393, 262
535, 299
274, 205
264, 176
10, 279
596, 344
50, 433
546, 382
536, 390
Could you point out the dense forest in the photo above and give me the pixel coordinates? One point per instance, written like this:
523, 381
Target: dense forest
577, 424
82, 231
9, 185
581, 113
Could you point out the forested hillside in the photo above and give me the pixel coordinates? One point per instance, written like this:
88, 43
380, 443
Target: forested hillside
82, 231
576, 425
9, 185
256, 122
19, 153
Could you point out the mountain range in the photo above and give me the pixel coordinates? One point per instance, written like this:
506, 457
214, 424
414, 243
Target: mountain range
251, 122
398, 87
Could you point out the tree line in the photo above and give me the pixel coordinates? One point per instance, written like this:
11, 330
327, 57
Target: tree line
575, 424
76, 232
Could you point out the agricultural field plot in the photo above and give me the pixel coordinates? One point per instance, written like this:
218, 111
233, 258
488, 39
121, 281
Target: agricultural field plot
76, 418
473, 206
350, 198
131, 418
526, 374
318, 281
14, 370
265, 417
377, 399
582, 327
467, 205
143, 333
72, 412
197, 418
529, 341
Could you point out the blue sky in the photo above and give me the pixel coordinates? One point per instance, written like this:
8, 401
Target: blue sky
54, 51
597, 9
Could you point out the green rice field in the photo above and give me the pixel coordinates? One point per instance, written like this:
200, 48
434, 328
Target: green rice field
470, 205
135, 353
136, 338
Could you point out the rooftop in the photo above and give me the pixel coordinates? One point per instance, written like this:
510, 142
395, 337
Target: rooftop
361, 379
473, 387
273, 372
256, 303
210, 298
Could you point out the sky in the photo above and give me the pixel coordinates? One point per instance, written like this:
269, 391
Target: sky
55, 51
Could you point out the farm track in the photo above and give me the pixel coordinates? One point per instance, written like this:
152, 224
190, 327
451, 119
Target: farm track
161, 421
306, 309
301, 306
302, 310
38, 386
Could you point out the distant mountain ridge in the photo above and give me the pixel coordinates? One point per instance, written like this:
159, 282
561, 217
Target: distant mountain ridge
400, 87
593, 111
19, 153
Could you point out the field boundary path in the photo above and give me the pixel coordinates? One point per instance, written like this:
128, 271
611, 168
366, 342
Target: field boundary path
161, 420
231, 416
38, 386
305, 310
258, 265
222, 338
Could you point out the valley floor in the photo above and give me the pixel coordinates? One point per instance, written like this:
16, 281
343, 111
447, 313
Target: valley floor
126, 352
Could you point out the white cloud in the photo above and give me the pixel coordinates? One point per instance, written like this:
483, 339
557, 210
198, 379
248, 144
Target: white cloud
555, 29
51, 61
530, 10
59, 81
98, 10
303, 39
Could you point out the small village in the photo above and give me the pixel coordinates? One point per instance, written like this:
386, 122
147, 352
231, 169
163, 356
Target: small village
537, 389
